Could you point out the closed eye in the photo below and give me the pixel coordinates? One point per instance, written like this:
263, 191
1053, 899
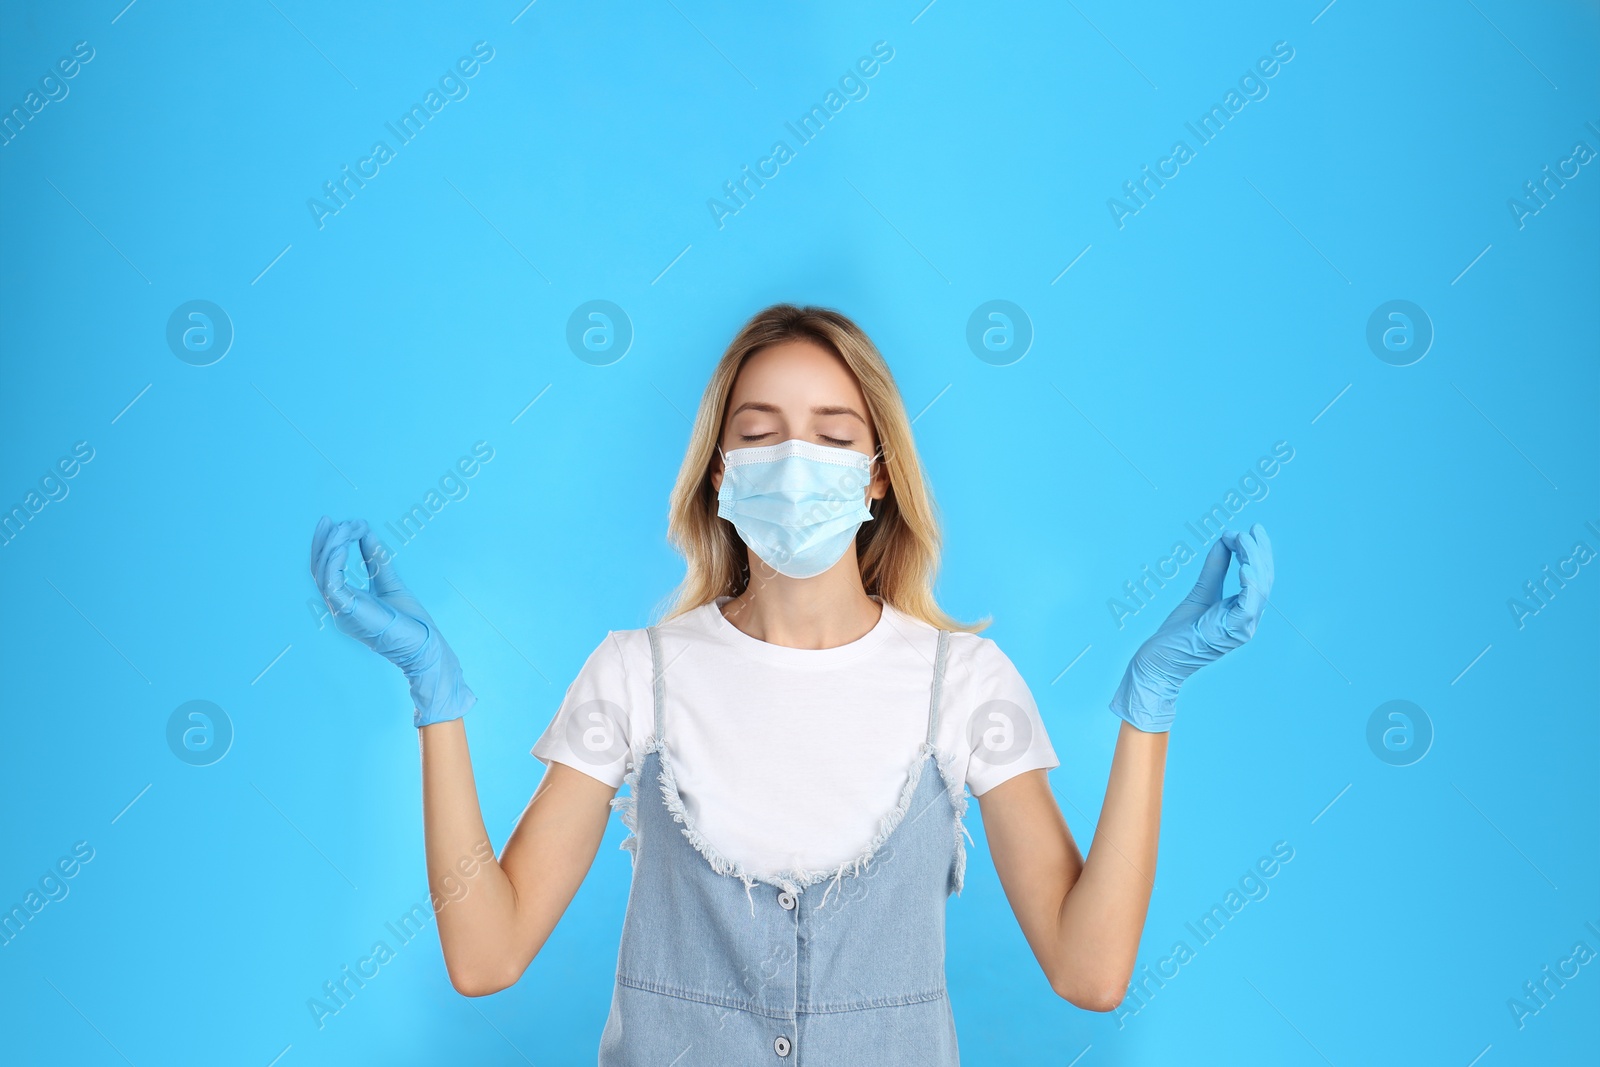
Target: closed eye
831, 440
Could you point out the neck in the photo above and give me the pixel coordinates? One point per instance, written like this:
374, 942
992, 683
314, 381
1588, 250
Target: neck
827, 611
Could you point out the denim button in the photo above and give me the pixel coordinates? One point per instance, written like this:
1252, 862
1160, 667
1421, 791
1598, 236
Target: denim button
781, 1046
786, 901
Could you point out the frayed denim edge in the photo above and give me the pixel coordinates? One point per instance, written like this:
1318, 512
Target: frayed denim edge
956, 789
794, 880
625, 805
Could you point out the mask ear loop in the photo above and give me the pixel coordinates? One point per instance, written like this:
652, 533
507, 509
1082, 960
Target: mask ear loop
877, 457
726, 470
744, 568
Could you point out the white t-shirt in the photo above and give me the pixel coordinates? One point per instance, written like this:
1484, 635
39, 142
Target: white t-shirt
788, 758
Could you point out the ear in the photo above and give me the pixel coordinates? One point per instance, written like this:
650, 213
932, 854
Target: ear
716, 470
879, 486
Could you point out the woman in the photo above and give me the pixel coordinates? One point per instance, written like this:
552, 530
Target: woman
797, 733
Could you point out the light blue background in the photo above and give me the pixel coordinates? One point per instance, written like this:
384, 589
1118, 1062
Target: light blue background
1225, 316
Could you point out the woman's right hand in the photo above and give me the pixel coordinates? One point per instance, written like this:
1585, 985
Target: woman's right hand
389, 620
1200, 630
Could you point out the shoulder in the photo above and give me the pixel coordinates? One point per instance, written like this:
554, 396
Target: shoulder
979, 658
970, 659
628, 651
990, 715
981, 682
611, 655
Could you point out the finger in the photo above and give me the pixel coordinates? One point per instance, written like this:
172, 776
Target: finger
1262, 562
1251, 554
329, 569
1237, 541
1244, 547
335, 553
380, 567
1222, 626
338, 538
1252, 598
1208, 588
365, 617
319, 538
1255, 581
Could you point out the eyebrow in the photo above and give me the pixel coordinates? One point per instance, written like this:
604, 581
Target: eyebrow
826, 409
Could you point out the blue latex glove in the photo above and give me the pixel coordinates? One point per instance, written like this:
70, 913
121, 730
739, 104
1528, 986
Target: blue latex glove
1199, 630
389, 620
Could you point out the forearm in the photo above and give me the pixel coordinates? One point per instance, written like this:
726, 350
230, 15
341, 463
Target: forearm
1103, 914
474, 901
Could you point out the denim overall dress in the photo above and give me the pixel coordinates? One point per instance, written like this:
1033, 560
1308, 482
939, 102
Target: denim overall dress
839, 967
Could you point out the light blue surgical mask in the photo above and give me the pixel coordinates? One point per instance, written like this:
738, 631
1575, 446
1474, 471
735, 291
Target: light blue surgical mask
796, 504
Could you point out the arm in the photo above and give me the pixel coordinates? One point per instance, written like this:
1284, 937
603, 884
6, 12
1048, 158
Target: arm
494, 917
1082, 918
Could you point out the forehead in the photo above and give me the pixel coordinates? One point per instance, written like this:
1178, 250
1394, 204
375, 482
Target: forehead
796, 376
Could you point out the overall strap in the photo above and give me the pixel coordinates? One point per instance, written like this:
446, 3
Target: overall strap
656, 680
938, 683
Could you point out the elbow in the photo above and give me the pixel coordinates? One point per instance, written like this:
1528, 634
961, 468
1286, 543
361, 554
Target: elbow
474, 985
1091, 995
482, 983
1104, 1000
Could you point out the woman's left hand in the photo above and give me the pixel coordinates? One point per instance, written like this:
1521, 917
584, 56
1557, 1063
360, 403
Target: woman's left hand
1199, 631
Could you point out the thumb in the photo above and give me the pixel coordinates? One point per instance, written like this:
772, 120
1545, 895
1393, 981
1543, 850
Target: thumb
380, 568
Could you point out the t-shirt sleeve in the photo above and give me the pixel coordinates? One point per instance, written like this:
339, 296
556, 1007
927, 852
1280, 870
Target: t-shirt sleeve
591, 728
1001, 725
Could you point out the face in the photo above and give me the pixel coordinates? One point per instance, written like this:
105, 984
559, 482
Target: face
798, 389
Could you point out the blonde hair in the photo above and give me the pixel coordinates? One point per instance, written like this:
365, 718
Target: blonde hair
898, 549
